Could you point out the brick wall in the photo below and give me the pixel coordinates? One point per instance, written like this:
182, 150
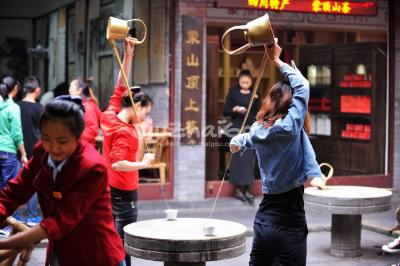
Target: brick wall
189, 163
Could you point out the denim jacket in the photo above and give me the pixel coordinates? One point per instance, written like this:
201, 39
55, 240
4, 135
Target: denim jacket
285, 156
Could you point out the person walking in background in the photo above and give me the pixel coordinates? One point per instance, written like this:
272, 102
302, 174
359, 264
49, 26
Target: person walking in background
30, 114
59, 90
121, 144
241, 172
287, 160
70, 177
89, 82
92, 117
11, 138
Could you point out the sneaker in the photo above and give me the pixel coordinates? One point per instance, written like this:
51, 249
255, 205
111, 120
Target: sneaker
33, 221
392, 247
5, 232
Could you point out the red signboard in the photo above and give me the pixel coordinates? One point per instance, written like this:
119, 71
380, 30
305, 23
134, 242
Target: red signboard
307, 6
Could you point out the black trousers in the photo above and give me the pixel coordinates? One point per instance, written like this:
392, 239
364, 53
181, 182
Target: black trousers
124, 208
275, 245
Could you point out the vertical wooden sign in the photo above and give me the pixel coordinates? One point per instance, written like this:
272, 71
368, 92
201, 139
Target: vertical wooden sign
192, 65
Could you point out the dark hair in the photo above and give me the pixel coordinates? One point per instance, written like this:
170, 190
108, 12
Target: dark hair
9, 83
30, 84
138, 95
65, 111
245, 73
72, 98
276, 104
3, 91
61, 89
88, 85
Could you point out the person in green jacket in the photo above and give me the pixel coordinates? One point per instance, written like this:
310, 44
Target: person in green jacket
11, 138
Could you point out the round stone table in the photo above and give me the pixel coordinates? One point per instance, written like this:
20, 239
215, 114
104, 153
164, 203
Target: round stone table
182, 242
347, 204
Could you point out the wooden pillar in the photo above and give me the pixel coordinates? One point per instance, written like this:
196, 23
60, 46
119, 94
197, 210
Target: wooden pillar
227, 65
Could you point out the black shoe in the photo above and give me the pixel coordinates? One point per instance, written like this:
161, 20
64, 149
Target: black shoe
239, 195
249, 197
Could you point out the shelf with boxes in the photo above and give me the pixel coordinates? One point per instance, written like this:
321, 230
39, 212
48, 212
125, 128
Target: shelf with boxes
357, 131
347, 105
359, 81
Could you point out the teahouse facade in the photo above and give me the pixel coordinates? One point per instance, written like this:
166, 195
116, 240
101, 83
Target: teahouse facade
345, 48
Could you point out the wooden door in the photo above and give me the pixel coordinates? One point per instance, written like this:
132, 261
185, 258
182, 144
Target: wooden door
212, 110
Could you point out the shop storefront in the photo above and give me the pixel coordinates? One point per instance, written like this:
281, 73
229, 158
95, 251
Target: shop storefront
344, 56
340, 46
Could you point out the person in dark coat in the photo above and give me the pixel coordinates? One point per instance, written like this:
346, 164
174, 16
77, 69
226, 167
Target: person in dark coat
242, 164
70, 178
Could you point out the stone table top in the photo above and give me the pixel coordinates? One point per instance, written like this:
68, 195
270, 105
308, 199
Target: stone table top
351, 200
184, 229
183, 239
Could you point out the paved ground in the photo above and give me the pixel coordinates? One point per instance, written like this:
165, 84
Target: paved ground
375, 232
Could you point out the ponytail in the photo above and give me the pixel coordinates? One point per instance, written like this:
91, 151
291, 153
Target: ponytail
3, 91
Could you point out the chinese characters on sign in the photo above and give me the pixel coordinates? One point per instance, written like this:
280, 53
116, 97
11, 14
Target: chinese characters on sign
192, 52
331, 7
269, 4
308, 6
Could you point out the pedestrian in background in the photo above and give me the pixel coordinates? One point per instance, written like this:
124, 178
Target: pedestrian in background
59, 90
30, 115
241, 171
92, 116
286, 160
70, 177
11, 138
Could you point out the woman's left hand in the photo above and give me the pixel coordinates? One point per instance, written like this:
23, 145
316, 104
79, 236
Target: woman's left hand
234, 148
24, 160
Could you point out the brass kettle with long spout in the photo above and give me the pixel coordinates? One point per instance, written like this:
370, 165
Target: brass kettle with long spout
257, 32
117, 29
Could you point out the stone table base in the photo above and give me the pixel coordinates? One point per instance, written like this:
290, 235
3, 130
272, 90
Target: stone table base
346, 236
347, 204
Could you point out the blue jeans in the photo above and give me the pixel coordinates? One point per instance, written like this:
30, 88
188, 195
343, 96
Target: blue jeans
276, 245
9, 167
33, 207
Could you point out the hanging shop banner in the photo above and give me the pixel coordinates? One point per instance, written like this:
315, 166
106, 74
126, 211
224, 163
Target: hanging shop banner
306, 6
192, 54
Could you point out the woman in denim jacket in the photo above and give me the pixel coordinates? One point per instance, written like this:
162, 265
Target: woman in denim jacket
286, 160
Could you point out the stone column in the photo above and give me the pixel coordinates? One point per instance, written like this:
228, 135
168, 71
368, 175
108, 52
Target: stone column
189, 165
394, 36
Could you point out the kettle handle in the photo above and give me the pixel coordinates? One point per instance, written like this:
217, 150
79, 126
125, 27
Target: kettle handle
240, 49
145, 30
330, 174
